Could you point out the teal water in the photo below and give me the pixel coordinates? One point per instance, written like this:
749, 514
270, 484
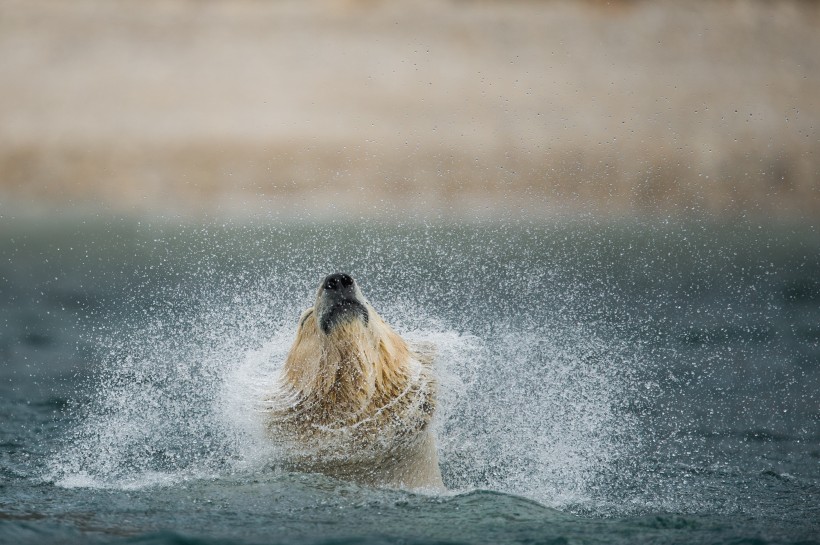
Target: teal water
602, 381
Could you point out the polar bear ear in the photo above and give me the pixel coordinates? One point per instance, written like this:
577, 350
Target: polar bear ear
425, 352
305, 315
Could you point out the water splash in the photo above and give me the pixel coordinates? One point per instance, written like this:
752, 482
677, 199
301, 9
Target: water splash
533, 410
178, 398
541, 416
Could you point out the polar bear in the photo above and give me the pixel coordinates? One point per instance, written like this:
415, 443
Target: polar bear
353, 400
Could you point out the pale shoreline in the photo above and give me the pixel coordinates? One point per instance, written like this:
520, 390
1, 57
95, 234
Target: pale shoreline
348, 108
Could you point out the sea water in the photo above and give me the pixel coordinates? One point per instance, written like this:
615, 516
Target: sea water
600, 381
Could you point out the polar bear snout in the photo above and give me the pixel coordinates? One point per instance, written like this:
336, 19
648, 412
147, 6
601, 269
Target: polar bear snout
338, 281
339, 299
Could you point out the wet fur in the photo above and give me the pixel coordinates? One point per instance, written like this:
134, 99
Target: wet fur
357, 403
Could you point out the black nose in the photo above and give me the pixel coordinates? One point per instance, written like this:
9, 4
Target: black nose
337, 281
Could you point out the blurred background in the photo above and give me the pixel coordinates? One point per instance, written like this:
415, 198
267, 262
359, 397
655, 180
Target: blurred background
434, 107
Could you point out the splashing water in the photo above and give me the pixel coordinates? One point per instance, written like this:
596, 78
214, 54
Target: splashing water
536, 410
540, 417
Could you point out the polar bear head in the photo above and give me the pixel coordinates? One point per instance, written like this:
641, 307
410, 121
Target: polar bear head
345, 356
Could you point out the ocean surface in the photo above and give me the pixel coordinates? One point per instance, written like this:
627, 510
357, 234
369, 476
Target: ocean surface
602, 381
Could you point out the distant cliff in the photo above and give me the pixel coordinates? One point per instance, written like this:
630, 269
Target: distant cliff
350, 107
